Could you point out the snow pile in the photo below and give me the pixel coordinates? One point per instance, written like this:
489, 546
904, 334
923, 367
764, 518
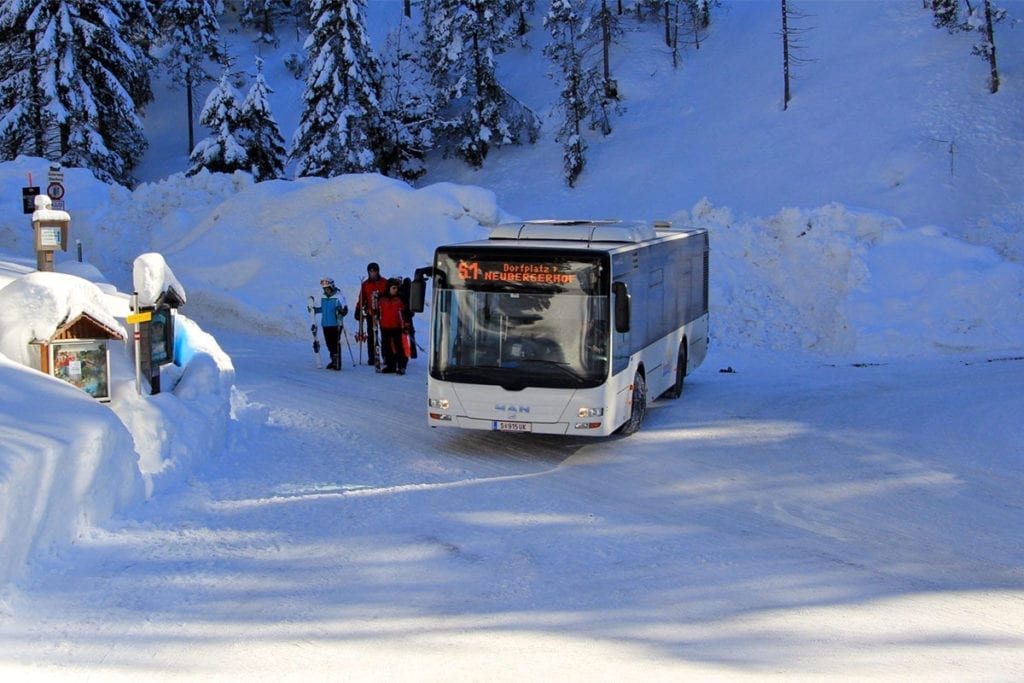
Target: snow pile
66, 463
77, 463
839, 281
189, 419
251, 254
153, 278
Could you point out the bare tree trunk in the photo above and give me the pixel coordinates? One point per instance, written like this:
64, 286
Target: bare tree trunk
188, 98
606, 38
990, 34
785, 55
668, 23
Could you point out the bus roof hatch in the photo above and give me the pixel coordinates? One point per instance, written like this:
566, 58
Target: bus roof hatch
575, 230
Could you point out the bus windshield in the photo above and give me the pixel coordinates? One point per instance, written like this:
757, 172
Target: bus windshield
530, 322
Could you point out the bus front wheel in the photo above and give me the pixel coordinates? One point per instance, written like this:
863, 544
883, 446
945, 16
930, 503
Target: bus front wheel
639, 406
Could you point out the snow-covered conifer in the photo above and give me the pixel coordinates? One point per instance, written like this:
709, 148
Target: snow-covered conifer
339, 130
190, 32
582, 98
982, 20
407, 104
979, 18
73, 77
221, 152
475, 113
263, 16
260, 135
946, 13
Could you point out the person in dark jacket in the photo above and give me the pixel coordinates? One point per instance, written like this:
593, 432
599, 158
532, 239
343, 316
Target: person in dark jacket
394, 322
332, 310
366, 311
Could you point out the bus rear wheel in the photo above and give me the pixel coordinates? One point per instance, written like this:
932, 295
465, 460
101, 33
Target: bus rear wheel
676, 390
639, 405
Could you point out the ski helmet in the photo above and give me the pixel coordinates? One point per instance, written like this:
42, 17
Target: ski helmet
372, 266
327, 282
394, 282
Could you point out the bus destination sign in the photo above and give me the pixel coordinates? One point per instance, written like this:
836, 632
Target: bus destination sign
519, 271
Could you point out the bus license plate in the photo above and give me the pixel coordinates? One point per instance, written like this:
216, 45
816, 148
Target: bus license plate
507, 426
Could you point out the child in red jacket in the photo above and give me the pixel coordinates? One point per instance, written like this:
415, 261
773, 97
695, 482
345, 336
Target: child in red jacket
394, 321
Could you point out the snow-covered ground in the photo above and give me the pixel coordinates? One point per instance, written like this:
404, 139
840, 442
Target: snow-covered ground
836, 494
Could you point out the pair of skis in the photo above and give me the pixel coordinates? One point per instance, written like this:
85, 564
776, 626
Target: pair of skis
316, 338
376, 332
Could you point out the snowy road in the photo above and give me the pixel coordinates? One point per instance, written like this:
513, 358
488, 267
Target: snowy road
792, 518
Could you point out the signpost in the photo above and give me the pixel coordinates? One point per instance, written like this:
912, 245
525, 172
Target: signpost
55, 190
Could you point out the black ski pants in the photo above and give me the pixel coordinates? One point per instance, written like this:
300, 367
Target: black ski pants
392, 350
332, 338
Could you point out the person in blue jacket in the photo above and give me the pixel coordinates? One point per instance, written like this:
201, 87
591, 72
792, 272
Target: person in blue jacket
332, 309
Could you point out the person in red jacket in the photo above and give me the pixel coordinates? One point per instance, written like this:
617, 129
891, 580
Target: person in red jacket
394, 321
365, 309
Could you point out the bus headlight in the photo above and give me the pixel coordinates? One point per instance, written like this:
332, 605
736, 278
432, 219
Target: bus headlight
590, 412
438, 409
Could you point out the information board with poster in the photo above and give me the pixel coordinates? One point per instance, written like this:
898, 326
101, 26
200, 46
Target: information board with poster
83, 363
156, 342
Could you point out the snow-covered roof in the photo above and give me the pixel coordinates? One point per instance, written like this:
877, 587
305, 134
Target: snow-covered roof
153, 279
34, 307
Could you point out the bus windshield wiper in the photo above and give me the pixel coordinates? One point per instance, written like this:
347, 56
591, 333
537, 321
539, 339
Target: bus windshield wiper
565, 368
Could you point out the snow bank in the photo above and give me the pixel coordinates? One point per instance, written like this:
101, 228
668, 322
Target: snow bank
72, 468
842, 281
189, 421
67, 461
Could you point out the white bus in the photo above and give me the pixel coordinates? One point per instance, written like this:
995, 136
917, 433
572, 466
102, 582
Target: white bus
564, 327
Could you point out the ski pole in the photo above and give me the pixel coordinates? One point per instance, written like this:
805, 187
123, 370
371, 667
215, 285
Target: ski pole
349, 345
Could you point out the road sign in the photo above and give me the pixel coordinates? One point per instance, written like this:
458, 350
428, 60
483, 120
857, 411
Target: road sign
137, 318
55, 190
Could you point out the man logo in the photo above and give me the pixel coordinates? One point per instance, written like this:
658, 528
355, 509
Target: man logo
511, 408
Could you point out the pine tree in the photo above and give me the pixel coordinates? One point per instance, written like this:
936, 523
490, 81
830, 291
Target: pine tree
73, 81
946, 13
221, 152
340, 128
981, 18
462, 39
259, 132
191, 32
407, 105
582, 97
263, 16
21, 99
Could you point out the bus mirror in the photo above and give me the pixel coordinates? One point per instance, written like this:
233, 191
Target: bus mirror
417, 294
621, 295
